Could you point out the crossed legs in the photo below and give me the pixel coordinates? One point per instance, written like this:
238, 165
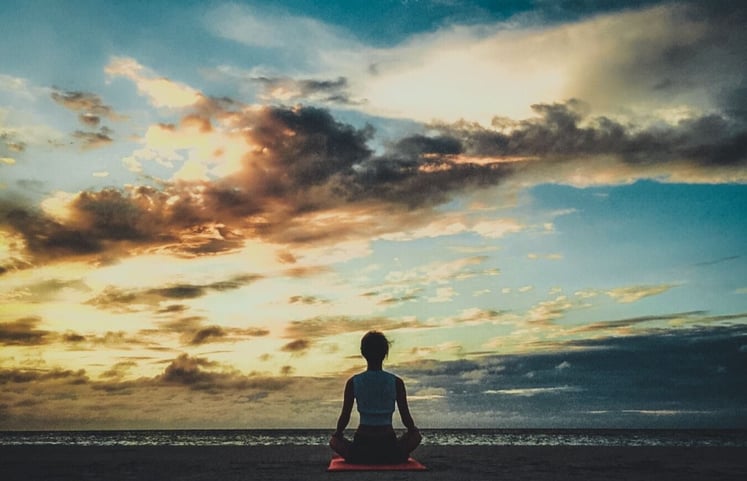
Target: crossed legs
406, 443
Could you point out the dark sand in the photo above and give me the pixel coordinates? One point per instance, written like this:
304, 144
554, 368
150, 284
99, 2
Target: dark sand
452, 463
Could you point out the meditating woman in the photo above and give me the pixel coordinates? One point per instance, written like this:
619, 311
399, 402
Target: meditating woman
375, 392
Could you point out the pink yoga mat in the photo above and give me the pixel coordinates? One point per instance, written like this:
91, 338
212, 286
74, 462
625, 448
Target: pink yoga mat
338, 464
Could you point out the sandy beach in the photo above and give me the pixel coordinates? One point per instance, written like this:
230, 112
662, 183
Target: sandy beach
452, 463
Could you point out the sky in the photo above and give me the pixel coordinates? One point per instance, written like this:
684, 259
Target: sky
205, 205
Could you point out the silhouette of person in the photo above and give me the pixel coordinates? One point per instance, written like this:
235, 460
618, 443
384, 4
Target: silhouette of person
375, 392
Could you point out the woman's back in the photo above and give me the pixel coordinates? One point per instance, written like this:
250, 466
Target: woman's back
375, 395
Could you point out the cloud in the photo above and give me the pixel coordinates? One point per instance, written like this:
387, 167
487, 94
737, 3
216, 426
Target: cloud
188, 387
193, 331
23, 332
288, 90
562, 138
298, 176
94, 140
161, 91
427, 394
450, 347
595, 59
295, 40
443, 294
208, 334
118, 370
297, 347
546, 312
130, 300
307, 300
534, 391
89, 106
563, 365
636, 293
615, 61
17, 136
320, 327
448, 224
26, 376
440, 272
19, 86
44, 290
670, 370
201, 374
625, 325
717, 261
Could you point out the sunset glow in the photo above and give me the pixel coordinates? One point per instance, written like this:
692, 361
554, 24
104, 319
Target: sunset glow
203, 206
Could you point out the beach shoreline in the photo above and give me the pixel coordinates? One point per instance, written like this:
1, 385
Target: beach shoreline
453, 463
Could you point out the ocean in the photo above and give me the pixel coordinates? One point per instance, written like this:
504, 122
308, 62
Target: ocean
437, 437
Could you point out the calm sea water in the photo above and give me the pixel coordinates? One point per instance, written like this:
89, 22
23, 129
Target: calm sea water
441, 437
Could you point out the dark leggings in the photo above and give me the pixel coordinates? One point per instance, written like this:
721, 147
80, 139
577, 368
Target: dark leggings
376, 445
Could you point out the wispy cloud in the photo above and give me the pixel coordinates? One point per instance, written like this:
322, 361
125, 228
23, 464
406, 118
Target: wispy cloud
636, 293
89, 106
161, 91
93, 140
320, 327
534, 391
23, 332
117, 299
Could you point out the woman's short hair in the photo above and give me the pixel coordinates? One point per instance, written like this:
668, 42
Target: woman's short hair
375, 346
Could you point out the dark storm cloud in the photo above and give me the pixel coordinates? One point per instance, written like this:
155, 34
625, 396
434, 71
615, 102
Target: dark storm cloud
690, 377
311, 163
419, 145
562, 131
302, 173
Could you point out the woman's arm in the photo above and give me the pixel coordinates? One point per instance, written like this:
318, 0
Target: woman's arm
347, 407
404, 409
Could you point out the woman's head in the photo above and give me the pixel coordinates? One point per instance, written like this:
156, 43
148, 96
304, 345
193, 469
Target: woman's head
374, 346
